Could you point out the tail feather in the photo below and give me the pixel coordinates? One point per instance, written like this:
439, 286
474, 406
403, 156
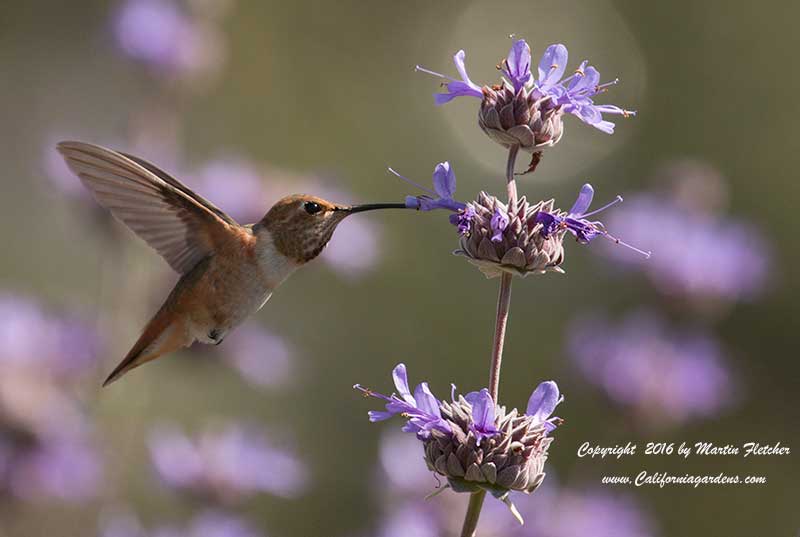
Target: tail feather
161, 336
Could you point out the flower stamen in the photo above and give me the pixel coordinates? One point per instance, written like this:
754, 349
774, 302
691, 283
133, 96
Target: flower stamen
434, 73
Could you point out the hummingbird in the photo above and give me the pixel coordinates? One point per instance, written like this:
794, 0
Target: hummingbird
228, 271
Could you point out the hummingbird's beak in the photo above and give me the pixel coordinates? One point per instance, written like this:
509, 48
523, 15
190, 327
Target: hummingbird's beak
370, 207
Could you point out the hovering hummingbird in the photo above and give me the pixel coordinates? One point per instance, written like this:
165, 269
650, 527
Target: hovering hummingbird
228, 271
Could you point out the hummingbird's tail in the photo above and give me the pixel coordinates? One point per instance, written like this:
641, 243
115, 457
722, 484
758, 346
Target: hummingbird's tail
162, 335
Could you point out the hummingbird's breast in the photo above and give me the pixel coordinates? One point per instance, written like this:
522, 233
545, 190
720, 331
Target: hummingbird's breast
236, 284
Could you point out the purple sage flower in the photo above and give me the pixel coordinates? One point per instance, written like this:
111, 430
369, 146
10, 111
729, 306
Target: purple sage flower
499, 223
441, 197
474, 443
421, 409
571, 95
576, 222
543, 402
517, 66
444, 184
483, 415
455, 88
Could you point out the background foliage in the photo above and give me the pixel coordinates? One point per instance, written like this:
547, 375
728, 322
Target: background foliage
322, 96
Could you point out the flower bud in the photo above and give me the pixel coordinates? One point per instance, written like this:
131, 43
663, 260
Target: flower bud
502, 239
513, 459
520, 118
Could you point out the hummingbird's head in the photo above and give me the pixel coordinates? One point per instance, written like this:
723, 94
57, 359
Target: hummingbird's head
301, 225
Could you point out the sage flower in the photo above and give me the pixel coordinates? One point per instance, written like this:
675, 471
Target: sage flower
421, 409
575, 221
474, 443
527, 112
510, 239
441, 197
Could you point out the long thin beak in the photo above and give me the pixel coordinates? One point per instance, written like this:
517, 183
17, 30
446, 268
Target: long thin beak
371, 207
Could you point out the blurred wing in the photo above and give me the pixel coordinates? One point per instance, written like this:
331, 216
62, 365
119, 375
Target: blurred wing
180, 225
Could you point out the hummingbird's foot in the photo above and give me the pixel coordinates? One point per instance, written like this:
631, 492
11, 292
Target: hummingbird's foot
216, 336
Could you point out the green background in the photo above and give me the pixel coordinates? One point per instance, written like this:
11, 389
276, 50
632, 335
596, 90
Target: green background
330, 86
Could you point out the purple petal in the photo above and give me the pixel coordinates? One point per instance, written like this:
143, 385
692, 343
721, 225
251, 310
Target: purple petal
412, 202
401, 382
498, 223
457, 89
458, 59
444, 180
584, 200
483, 411
426, 401
543, 401
605, 126
586, 83
519, 63
552, 65
588, 114
379, 415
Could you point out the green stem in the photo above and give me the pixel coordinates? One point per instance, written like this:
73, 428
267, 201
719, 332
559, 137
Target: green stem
501, 320
473, 513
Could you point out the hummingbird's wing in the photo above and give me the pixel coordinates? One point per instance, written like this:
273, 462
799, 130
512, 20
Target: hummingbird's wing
182, 226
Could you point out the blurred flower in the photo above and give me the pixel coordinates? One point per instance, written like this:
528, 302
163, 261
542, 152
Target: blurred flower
121, 525
168, 39
569, 512
45, 442
207, 523
261, 357
410, 518
43, 356
64, 467
699, 256
472, 442
217, 524
235, 185
354, 249
234, 462
664, 376
402, 463
525, 112
55, 345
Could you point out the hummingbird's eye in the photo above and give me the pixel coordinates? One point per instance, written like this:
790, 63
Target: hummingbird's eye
312, 207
